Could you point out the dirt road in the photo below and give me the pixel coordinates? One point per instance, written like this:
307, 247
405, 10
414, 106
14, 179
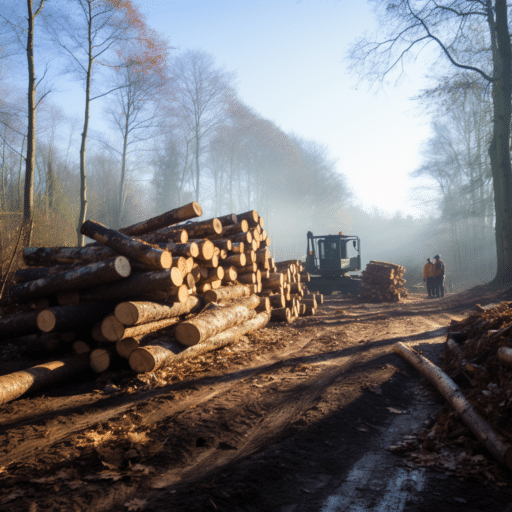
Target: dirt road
294, 418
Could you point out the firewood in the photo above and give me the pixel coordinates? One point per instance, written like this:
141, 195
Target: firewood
79, 277
41, 377
181, 214
139, 312
212, 321
454, 396
126, 246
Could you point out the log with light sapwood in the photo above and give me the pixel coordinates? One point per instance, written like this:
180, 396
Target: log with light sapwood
253, 267
213, 320
454, 396
302, 309
505, 355
126, 246
203, 228
232, 231
206, 248
317, 296
251, 216
212, 263
154, 357
256, 237
68, 318
280, 315
228, 220
250, 257
100, 359
237, 247
49, 256
41, 377
226, 293
275, 281
310, 311
246, 238
236, 260
142, 312
262, 255
96, 333
189, 281
277, 300
214, 274
296, 287
264, 305
165, 235
180, 262
125, 346
80, 277
81, 347
223, 243
141, 283
310, 303
114, 330
247, 278
23, 275
230, 275
18, 324
175, 216
223, 254
212, 285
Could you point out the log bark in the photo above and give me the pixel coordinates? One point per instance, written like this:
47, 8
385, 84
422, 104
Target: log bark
188, 250
236, 260
142, 283
247, 278
125, 346
175, 216
251, 216
277, 300
151, 358
228, 220
226, 293
170, 295
180, 263
114, 330
212, 321
19, 324
203, 229
48, 256
212, 263
41, 377
166, 235
223, 244
75, 279
281, 315
454, 396
139, 312
232, 231
126, 246
68, 318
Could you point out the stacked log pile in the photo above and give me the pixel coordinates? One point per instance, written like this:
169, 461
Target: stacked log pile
477, 358
383, 282
150, 294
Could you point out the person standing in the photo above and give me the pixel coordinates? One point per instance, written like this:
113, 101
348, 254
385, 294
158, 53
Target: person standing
428, 277
439, 271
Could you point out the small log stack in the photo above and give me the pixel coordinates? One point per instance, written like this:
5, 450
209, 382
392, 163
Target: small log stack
383, 282
142, 290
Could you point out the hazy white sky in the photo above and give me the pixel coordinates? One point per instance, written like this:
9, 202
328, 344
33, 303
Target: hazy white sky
289, 58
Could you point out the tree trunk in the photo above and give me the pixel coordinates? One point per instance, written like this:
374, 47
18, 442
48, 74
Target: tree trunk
453, 395
215, 320
138, 250
40, 377
137, 312
181, 214
81, 277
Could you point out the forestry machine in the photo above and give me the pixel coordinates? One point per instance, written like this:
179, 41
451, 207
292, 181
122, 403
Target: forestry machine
328, 262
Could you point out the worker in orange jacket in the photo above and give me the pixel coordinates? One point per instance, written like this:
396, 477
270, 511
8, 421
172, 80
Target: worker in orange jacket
439, 271
428, 277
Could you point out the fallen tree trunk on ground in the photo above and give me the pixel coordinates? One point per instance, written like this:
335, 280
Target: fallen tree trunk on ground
453, 395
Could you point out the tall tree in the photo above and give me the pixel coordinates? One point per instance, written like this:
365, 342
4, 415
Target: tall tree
199, 93
410, 25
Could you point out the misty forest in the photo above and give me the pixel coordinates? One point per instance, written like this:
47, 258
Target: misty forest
162, 127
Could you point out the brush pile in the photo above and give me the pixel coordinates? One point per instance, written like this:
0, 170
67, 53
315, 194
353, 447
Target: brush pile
147, 295
383, 282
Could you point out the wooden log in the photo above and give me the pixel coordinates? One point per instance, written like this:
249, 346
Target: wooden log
142, 312
237, 247
310, 303
188, 250
228, 220
175, 216
49, 256
212, 263
81, 347
37, 344
262, 255
203, 228
280, 315
216, 319
206, 248
153, 357
274, 282
236, 260
23, 275
166, 235
252, 267
246, 238
264, 305
226, 293
231, 231
505, 355
41, 377
126, 246
142, 283
180, 263
277, 300
310, 310
125, 346
223, 243
96, 333
77, 278
251, 216
190, 281
247, 278
114, 330
250, 257
214, 274
100, 359
19, 324
68, 318
454, 396
230, 275
173, 294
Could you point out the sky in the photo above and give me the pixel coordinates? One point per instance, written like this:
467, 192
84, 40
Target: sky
289, 57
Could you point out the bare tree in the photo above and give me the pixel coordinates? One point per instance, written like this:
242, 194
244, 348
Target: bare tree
199, 93
409, 26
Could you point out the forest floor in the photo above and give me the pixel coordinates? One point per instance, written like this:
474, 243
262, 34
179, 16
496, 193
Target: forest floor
297, 417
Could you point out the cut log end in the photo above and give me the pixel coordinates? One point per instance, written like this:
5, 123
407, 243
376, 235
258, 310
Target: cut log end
122, 266
46, 320
141, 361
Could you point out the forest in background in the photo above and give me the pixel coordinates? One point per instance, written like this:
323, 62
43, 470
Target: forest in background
163, 128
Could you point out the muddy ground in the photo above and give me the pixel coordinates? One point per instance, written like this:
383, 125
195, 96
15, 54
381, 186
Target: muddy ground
297, 417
